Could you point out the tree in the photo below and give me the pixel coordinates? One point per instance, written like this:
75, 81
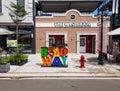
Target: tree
17, 14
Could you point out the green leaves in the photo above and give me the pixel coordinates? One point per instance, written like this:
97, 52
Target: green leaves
17, 12
18, 58
4, 60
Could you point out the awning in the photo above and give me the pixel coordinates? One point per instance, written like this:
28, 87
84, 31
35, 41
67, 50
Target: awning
65, 5
114, 32
4, 31
23, 31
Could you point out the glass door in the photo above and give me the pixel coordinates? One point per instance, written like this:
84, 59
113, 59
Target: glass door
51, 41
83, 44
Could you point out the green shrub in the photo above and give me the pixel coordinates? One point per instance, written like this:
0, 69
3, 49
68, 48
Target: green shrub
18, 58
21, 47
4, 60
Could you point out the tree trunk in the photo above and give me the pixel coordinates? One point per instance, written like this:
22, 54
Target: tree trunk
17, 37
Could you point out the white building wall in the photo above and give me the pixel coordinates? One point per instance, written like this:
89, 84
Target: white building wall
4, 17
29, 8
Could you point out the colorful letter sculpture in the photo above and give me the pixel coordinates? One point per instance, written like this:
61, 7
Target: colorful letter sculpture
54, 56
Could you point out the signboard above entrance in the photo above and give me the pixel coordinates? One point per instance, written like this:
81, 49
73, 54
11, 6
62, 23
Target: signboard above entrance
67, 24
72, 24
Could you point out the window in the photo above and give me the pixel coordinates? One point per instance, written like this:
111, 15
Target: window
72, 16
51, 41
82, 41
0, 6
117, 20
115, 43
21, 2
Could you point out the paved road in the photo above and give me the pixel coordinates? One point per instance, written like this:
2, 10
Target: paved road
60, 85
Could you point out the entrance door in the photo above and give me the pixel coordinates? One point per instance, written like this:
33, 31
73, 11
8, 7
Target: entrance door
82, 44
93, 44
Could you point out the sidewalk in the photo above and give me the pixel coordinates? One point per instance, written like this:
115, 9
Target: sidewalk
33, 68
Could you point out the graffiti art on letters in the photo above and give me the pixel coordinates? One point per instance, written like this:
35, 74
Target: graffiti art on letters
54, 56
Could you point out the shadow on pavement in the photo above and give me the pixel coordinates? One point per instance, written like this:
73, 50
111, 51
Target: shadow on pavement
92, 60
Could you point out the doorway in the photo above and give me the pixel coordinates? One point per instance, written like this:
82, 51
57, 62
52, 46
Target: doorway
87, 43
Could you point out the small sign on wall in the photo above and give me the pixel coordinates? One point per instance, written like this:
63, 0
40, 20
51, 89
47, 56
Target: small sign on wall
11, 43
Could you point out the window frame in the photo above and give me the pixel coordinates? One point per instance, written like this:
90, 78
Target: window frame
51, 41
0, 6
72, 16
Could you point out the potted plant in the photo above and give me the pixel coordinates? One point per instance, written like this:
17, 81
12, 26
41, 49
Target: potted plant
18, 59
4, 64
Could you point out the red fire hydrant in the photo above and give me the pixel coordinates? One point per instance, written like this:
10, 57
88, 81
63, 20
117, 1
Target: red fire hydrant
82, 62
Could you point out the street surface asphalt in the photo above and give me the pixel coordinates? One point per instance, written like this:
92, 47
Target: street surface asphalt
60, 85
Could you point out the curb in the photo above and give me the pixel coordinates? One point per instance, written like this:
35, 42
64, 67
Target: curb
57, 75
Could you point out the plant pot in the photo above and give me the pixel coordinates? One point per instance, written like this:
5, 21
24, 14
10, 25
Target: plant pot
4, 67
19, 64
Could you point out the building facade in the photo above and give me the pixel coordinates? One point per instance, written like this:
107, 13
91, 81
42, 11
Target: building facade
114, 7
26, 28
78, 32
